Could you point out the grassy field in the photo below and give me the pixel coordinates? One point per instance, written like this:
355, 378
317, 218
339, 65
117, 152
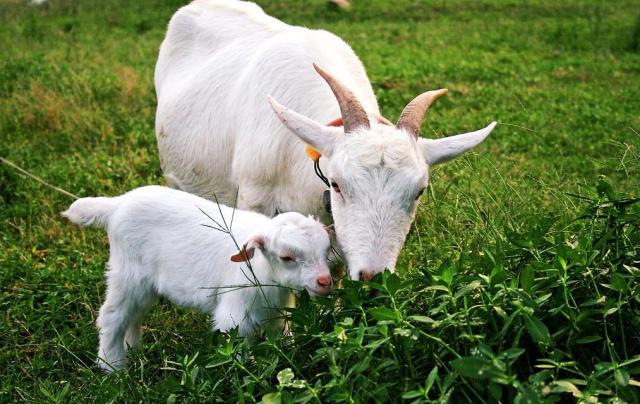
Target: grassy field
519, 282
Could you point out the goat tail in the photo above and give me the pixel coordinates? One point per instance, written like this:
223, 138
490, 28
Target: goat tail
91, 211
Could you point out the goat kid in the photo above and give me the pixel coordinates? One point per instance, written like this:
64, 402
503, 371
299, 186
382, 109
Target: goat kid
162, 244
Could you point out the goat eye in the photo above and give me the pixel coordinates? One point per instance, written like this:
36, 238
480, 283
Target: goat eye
287, 259
419, 194
335, 187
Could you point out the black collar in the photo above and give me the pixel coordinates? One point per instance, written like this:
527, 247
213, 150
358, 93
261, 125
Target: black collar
326, 195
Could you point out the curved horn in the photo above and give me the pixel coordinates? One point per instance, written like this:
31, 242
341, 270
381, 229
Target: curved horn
413, 114
353, 115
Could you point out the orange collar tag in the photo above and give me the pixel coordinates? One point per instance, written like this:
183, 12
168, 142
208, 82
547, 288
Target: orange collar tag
312, 153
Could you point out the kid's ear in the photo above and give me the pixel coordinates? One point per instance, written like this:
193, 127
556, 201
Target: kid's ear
248, 249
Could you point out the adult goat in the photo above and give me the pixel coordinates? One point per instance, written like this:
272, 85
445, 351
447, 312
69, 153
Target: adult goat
217, 134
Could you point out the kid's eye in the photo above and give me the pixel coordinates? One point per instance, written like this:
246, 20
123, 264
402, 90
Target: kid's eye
335, 187
287, 259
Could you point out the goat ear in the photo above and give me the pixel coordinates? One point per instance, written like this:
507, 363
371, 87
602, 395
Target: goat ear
248, 249
436, 151
321, 137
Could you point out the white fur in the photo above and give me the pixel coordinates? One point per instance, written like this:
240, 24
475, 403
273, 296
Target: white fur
160, 246
217, 134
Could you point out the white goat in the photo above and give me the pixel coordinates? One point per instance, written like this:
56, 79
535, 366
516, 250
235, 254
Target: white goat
161, 246
217, 135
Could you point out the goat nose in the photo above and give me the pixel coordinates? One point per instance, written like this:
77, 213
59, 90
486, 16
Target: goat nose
324, 280
365, 276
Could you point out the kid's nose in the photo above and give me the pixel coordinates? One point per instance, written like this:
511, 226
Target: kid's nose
324, 280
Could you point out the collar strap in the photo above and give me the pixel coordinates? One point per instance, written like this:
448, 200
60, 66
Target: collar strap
336, 122
319, 173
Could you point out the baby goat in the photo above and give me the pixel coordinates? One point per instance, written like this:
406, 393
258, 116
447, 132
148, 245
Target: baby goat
163, 244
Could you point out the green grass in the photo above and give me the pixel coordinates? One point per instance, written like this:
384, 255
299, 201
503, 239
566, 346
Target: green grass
519, 282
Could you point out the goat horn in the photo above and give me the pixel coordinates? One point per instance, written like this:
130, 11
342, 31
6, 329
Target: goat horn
353, 115
413, 114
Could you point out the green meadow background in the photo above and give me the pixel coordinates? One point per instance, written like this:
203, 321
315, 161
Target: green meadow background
519, 281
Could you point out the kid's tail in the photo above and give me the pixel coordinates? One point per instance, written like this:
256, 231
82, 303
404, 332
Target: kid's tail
91, 211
